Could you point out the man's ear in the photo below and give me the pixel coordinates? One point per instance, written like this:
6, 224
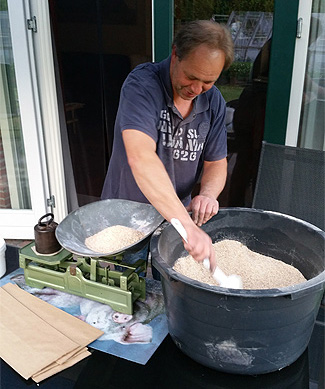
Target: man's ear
174, 51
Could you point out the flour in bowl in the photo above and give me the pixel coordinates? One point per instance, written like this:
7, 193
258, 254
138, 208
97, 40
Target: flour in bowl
256, 270
113, 238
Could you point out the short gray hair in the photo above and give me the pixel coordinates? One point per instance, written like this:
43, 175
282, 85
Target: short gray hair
198, 32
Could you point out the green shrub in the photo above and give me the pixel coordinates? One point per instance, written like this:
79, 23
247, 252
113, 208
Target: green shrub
240, 69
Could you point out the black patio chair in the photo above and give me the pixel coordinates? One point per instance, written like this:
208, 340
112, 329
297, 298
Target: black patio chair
290, 180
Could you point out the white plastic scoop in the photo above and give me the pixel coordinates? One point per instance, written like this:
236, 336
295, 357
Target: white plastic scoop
233, 281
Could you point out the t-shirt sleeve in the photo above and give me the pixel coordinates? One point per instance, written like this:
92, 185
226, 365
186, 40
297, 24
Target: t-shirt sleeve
216, 142
138, 107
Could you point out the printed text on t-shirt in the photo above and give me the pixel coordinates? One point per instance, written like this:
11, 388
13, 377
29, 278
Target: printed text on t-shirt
186, 143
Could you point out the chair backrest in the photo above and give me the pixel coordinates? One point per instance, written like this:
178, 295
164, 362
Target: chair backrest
290, 180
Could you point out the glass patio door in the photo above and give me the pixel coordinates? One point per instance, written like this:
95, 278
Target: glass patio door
22, 182
306, 117
312, 117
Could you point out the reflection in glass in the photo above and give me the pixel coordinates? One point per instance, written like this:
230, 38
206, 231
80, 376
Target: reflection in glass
14, 185
243, 86
249, 30
96, 45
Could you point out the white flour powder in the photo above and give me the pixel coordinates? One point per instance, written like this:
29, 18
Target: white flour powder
113, 238
256, 270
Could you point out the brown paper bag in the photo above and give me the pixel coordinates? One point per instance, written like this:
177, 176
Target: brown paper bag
37, 339
56, 368
72, 327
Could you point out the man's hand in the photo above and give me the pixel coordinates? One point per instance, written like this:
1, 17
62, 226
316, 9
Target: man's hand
205, 204
199, 245
203, 208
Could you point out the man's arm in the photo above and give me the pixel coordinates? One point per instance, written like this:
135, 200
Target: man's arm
205, 204
153, 180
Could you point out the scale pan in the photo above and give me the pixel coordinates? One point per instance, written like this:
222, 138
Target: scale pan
94, 217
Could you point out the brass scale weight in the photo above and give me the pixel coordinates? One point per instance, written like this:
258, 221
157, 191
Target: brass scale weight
74, 268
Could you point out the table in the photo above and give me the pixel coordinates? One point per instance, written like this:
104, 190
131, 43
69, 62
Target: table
169, 368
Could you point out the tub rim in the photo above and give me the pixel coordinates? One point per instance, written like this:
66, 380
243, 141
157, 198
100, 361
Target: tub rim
315, 284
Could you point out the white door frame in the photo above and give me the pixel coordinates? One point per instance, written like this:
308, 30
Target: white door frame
42, 42
298, 73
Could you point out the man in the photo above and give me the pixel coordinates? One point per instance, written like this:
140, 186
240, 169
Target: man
170, 131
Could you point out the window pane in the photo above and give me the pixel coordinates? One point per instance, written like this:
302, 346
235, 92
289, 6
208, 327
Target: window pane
312, 126
14, 185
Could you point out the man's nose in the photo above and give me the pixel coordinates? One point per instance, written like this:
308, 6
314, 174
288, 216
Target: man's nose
196, 87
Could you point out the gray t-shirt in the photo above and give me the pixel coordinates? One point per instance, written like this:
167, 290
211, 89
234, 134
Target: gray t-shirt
146, 104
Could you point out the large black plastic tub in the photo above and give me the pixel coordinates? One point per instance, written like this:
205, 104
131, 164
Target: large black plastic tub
244, 331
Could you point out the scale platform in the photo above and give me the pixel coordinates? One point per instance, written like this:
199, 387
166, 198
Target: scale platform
93, 278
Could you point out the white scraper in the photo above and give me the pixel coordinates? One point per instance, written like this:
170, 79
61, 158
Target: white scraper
233, 281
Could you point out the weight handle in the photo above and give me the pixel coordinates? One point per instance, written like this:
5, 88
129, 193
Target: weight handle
40, 223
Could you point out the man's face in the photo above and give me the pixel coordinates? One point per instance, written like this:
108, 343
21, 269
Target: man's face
196, 73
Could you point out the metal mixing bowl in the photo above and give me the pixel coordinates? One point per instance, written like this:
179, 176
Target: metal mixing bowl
94, 217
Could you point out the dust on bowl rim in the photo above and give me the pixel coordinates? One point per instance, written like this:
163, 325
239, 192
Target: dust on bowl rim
314, 282
94, 217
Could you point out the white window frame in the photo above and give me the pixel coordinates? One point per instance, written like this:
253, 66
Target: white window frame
18, 224
298, 74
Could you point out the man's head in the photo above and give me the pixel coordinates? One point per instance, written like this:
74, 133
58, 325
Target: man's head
201, 50
204, 32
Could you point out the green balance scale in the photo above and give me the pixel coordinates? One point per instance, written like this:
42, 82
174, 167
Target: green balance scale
103, 277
